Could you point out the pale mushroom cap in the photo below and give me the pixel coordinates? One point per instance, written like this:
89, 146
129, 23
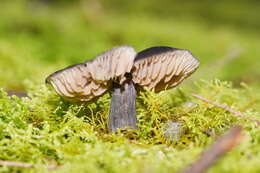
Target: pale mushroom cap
162, 68
83, 82
157, 68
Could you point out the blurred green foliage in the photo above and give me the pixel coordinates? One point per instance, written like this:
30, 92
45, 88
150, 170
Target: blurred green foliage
39, 36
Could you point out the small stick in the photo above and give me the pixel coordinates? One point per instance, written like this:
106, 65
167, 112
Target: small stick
17, 93
222, 145
22, 164
227, 108
233, 54
210, 68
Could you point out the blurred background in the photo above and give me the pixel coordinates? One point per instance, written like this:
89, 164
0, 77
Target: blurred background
38, 37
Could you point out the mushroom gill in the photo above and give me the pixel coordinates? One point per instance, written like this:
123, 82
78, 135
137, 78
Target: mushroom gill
83, 82
162, 68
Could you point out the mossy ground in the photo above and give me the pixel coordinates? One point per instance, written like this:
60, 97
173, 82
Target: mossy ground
44, 129
38, 39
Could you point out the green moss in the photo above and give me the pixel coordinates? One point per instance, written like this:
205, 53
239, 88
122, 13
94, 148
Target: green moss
44, 129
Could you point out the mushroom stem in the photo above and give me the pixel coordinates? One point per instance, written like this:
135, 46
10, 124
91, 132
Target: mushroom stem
122, 112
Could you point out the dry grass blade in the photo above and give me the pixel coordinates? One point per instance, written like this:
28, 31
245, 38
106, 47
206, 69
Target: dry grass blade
223, 144
227, 108
17, 93
23, 165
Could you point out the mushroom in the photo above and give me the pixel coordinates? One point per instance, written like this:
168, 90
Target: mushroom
121, 70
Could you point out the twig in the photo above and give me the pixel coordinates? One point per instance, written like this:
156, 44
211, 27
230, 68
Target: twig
230, 56
23, 165
213, 67
17, 93
222, 145
227, 108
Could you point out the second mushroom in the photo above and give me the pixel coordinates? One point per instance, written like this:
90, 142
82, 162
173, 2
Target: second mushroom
121, 70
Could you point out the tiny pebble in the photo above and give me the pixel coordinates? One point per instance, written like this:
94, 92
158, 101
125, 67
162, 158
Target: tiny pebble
189, 105
172, 131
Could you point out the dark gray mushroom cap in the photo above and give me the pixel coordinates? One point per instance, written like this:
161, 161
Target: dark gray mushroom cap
162, 68
157, 68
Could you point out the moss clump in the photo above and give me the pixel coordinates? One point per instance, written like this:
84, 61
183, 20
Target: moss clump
44, 129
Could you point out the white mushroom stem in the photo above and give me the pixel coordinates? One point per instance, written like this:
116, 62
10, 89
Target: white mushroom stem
123, 107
